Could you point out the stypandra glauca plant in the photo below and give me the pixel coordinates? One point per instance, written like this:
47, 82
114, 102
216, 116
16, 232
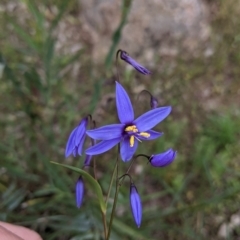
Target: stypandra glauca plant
126, 134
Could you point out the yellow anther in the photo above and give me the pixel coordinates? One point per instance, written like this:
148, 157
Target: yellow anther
131, 141
132, 128
144, 134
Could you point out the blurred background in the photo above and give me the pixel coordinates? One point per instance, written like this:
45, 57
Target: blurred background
57, 65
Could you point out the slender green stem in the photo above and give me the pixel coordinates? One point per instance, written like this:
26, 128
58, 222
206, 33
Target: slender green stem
129, 168
113, 209
123, 177
134, 159
92, 126
111, 183
117, 174
118, 78
94, 168
115, 196
104, 225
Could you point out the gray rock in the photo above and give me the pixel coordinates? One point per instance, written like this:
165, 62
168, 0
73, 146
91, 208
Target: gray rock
153, 27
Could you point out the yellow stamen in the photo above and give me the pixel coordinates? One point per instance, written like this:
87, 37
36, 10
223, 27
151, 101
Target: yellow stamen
131, 141
132, 128
144, 134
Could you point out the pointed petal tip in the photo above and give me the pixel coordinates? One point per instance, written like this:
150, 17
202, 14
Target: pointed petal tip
168, 110
126, 151
150, 119
67, 154
124, 105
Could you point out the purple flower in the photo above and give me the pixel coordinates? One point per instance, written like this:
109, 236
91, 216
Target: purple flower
79, 191
153, 102
124, 56
163, 159
128, 131
136, 205
76, 139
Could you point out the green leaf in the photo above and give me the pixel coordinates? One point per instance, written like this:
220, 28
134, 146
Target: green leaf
24, 35
62, 9
48, 56
94, 184
33, 8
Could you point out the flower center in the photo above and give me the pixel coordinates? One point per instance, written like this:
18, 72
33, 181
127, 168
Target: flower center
133, 131
132, 128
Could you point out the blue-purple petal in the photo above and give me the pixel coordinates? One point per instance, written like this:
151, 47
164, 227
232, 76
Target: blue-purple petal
124, 105
136, 205
79, 191
163, 159
126, 151
70, 143
102, 147
80, 145
76, 139
151, 118
107, 132
153, 135
81, 129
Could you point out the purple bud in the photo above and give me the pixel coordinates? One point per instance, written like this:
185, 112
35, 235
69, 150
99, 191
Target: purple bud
154, 102
76, 139
87, 160
136, 205
79, 191
125, 57
163, 159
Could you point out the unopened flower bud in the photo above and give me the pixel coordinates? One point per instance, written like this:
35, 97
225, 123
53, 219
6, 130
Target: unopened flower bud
79, 191
163, 159
125, 57
136, 205
154, 102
